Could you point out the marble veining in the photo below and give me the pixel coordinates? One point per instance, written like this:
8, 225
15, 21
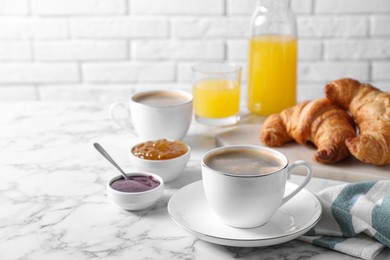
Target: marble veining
53, 201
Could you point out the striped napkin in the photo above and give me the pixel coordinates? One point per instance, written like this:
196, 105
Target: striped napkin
355, 220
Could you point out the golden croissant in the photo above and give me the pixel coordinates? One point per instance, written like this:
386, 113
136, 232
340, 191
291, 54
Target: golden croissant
370, 108
320, 122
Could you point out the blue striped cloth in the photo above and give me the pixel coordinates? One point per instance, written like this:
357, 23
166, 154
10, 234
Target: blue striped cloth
355, 220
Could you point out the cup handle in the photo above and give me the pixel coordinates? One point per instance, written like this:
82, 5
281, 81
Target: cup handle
129, 127
309, 174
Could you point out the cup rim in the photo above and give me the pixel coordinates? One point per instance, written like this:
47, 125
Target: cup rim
246, 147
138, 173
233, 67
176, 91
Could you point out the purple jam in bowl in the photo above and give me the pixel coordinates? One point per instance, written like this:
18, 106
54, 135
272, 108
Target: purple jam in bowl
135, 184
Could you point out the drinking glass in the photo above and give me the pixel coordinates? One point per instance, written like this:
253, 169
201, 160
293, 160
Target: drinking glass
216, 91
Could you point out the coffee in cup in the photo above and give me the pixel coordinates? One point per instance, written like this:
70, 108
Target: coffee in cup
157, 114
244, 184
161, 98
244, 162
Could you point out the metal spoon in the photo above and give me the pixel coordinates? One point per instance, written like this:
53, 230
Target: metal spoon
109, 158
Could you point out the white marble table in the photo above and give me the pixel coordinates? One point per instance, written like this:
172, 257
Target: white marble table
53, 203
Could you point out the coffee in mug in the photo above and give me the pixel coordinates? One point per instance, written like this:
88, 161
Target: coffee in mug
244, 162
161, 99
245, 184
158, 114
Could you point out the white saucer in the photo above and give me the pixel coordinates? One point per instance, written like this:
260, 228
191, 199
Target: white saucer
189, 209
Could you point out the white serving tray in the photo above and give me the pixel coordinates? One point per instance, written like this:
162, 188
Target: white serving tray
347, 170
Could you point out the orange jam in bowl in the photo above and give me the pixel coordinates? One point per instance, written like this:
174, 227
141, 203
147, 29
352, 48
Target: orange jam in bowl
161, 149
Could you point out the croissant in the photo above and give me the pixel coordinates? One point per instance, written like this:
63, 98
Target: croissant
370, 108
320, 122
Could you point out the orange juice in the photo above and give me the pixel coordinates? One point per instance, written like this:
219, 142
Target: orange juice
272, 73
216, 98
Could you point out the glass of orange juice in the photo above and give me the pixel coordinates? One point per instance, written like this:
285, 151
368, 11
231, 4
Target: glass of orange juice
216, 93
272, 73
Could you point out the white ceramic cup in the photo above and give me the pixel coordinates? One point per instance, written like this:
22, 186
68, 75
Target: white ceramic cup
248, 201
156, 114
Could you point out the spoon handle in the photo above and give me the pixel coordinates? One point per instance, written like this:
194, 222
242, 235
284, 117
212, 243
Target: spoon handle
108, 157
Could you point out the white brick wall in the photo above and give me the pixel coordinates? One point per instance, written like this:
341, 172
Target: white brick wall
15, 7
33, 28
107, 49
129, 72
121, 27
37, 72
330, 26
79, 50
78, 7
15, 51
352, 6
177, 7
380, 25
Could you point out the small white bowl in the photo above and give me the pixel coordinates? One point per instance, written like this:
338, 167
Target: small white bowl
168, 169
135, 200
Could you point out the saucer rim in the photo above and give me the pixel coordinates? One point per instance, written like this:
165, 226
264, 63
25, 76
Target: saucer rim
241, 241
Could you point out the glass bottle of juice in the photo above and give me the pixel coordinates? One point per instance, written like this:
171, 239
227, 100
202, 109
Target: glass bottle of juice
272, 59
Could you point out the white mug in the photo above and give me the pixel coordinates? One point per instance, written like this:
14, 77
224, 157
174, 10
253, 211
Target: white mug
157, 114
245, 200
